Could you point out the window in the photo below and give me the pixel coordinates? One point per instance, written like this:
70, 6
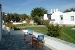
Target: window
49, 16
72, 18
61, 17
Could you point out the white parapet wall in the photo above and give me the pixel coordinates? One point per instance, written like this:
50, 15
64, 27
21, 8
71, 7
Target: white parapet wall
16, 32
57, 43
17, 23
6, 29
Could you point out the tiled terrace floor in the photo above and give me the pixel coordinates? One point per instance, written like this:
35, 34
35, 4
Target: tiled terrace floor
17, 42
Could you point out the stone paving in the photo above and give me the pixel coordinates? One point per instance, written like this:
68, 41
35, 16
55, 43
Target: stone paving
17, 42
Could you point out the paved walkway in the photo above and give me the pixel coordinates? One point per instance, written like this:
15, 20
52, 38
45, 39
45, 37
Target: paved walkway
17, 42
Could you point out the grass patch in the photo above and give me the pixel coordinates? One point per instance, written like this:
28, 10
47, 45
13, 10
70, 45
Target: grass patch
67, 34
39, 29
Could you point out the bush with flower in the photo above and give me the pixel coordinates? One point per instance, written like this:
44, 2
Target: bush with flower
54, 30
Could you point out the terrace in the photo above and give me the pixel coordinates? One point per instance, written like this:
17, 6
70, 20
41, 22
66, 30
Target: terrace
17, 42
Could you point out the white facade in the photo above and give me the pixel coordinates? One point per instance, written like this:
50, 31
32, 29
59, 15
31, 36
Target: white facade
69, 18
56, 17
31, 22
45, 17
62, 18
0, 23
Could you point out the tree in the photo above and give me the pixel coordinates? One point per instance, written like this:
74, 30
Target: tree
23, 16
72, 9
16, 17
69, 10
6, 17
3, 16
11, 17
37, 20
38, 11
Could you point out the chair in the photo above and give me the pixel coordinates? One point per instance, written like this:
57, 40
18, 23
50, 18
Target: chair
30, 32
38, 41
27, 33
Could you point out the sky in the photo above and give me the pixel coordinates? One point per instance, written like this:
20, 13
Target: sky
25, 6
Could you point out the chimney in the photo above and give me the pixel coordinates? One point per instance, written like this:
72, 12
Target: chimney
54, 10
51, 11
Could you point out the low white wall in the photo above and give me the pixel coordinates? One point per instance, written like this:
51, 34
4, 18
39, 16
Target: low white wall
6, 29
17, 23
16, 32
56, 43
12, 31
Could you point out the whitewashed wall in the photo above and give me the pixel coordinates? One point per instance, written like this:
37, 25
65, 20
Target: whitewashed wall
56, 16
12, 31
31, 22
67, 18
16, 32
6, 29
45, 17
57, 43
24, 21
17, 23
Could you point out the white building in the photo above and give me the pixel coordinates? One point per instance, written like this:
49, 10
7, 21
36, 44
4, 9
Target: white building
0, 23
58, 17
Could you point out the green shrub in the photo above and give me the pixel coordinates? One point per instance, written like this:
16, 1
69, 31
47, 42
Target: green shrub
8, 24
54, 30
37, 20
45, 22
12, 26
74, 26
